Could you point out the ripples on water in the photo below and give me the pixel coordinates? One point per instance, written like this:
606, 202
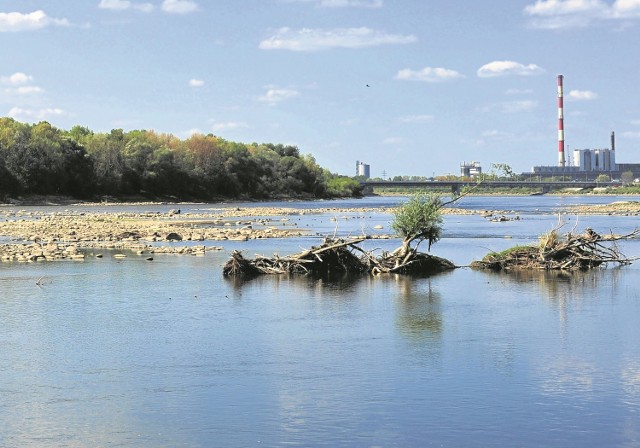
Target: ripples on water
130, 353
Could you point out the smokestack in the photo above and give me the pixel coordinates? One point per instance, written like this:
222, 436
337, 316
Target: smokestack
561, 161
613, 141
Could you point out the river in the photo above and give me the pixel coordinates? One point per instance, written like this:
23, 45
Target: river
130, 353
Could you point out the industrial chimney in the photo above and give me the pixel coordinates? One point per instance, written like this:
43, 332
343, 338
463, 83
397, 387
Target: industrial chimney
561, 160
613, 141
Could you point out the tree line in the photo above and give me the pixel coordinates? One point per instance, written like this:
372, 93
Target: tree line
41, 159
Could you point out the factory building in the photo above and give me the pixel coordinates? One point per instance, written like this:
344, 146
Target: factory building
362, 169
471, 169
594, 159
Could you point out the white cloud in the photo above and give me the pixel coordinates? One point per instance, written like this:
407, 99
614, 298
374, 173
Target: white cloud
115, 4
274, 96
196, 82
559, 14
16, 79
15, 21
417, 119
121, 5
505, 68
340, 3
179, 6
582, 95
631, 134
26, 90
428, 74
626, 8
229, 125
31, 114
308, 39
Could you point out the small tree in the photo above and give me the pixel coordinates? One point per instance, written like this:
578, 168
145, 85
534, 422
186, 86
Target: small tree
627, 178
419, 219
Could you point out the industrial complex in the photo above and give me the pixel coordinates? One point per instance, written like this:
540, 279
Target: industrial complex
586, 164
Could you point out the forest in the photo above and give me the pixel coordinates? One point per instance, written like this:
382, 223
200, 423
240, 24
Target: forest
39, 159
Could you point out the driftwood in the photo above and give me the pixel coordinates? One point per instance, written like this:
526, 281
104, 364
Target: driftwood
335, 256
573, 252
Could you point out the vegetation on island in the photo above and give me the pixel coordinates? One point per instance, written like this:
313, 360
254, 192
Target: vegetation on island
418, 220
555, 252
40, 159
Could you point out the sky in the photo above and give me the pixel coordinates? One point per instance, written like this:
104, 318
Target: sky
410, 87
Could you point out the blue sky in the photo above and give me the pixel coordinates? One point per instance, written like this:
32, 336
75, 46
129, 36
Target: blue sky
409, 86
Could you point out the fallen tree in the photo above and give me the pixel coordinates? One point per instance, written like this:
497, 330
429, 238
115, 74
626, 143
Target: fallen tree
572, 252
335, 256
418, 220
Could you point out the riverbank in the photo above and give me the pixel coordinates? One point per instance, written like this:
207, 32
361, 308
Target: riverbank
618, 208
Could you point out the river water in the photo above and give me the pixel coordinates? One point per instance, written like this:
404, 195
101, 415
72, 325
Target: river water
129, 353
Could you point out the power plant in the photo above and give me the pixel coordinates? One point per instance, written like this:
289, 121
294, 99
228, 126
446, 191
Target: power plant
363, 169
586, 164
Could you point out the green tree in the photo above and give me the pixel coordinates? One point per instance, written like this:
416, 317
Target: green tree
627, 178
418, 220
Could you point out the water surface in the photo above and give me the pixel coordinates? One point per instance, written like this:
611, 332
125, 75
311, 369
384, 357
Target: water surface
168, 353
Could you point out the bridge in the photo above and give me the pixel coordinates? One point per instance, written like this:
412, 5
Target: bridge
457, 185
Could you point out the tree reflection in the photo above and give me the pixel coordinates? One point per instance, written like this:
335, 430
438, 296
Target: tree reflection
564, 290
419, 314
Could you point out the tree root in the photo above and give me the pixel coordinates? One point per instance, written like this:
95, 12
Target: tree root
336, 256
574, 252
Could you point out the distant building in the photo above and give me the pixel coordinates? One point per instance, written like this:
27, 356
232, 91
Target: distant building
471, 169
594, 159
362, 169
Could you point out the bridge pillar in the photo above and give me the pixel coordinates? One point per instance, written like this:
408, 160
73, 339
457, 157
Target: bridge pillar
367, 190
455, 189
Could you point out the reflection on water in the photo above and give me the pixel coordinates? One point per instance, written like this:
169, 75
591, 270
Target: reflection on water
419, 313
169, 353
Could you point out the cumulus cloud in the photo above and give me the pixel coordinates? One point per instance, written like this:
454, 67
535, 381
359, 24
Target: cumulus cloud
196, 82
308, 39
558, 14
582, 95
507, 68
26, 90
15, 21
275, 96
428, 74
341, 3
179, 6
16, 79
121, 5
17, 84
35, 114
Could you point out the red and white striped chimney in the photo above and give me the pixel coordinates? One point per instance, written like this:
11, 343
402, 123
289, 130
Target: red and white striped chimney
561, 160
